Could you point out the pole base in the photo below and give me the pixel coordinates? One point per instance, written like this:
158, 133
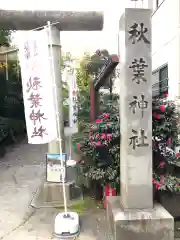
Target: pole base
67, 236
66, 225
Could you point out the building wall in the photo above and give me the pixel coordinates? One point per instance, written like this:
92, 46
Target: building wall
166, 43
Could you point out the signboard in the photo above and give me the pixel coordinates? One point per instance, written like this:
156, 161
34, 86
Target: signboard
37, 85
106, 70
54, 171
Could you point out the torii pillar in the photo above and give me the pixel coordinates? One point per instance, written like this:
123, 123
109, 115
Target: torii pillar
65, 21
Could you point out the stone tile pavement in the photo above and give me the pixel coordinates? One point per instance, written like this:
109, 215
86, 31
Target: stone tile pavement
21, 172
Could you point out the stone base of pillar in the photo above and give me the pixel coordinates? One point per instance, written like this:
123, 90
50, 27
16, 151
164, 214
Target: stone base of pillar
51, 195
149, 224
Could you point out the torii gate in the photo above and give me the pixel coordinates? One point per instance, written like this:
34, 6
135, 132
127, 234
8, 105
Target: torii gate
65, 21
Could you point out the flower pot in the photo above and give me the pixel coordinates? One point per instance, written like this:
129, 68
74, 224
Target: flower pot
171, 202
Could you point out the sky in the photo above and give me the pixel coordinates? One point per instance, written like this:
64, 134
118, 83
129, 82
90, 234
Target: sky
79, 42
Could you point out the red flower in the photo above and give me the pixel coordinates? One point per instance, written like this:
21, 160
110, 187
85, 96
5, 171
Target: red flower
177, 155
162, 108
98, 121
158, 185
103, 136
105, 115
162, 164
177, 185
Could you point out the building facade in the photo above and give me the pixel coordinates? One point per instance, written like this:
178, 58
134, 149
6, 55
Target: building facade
166, 47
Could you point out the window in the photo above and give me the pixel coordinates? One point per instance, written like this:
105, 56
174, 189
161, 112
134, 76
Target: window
160, 81
163, 80
155, 84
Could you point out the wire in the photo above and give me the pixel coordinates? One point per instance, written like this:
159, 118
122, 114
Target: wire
57, 119
164, 45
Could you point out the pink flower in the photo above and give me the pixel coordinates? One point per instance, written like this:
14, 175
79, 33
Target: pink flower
162, 108
177, 155
162, 164
98, 121
78, 146
165, 95
105, 115
177, 185
98, 143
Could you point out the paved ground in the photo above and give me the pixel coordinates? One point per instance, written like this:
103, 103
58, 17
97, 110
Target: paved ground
21, 172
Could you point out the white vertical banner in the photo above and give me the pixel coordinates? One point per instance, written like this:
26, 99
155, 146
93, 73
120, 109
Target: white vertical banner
37, 87
73, 106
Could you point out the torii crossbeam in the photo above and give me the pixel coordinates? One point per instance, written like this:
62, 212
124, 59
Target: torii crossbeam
67, 20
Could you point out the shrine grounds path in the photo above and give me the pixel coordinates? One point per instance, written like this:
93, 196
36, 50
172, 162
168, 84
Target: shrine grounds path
21, 172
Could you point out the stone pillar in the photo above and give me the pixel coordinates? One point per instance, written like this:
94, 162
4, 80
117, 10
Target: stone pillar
53, 147
135, 101
132, 215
